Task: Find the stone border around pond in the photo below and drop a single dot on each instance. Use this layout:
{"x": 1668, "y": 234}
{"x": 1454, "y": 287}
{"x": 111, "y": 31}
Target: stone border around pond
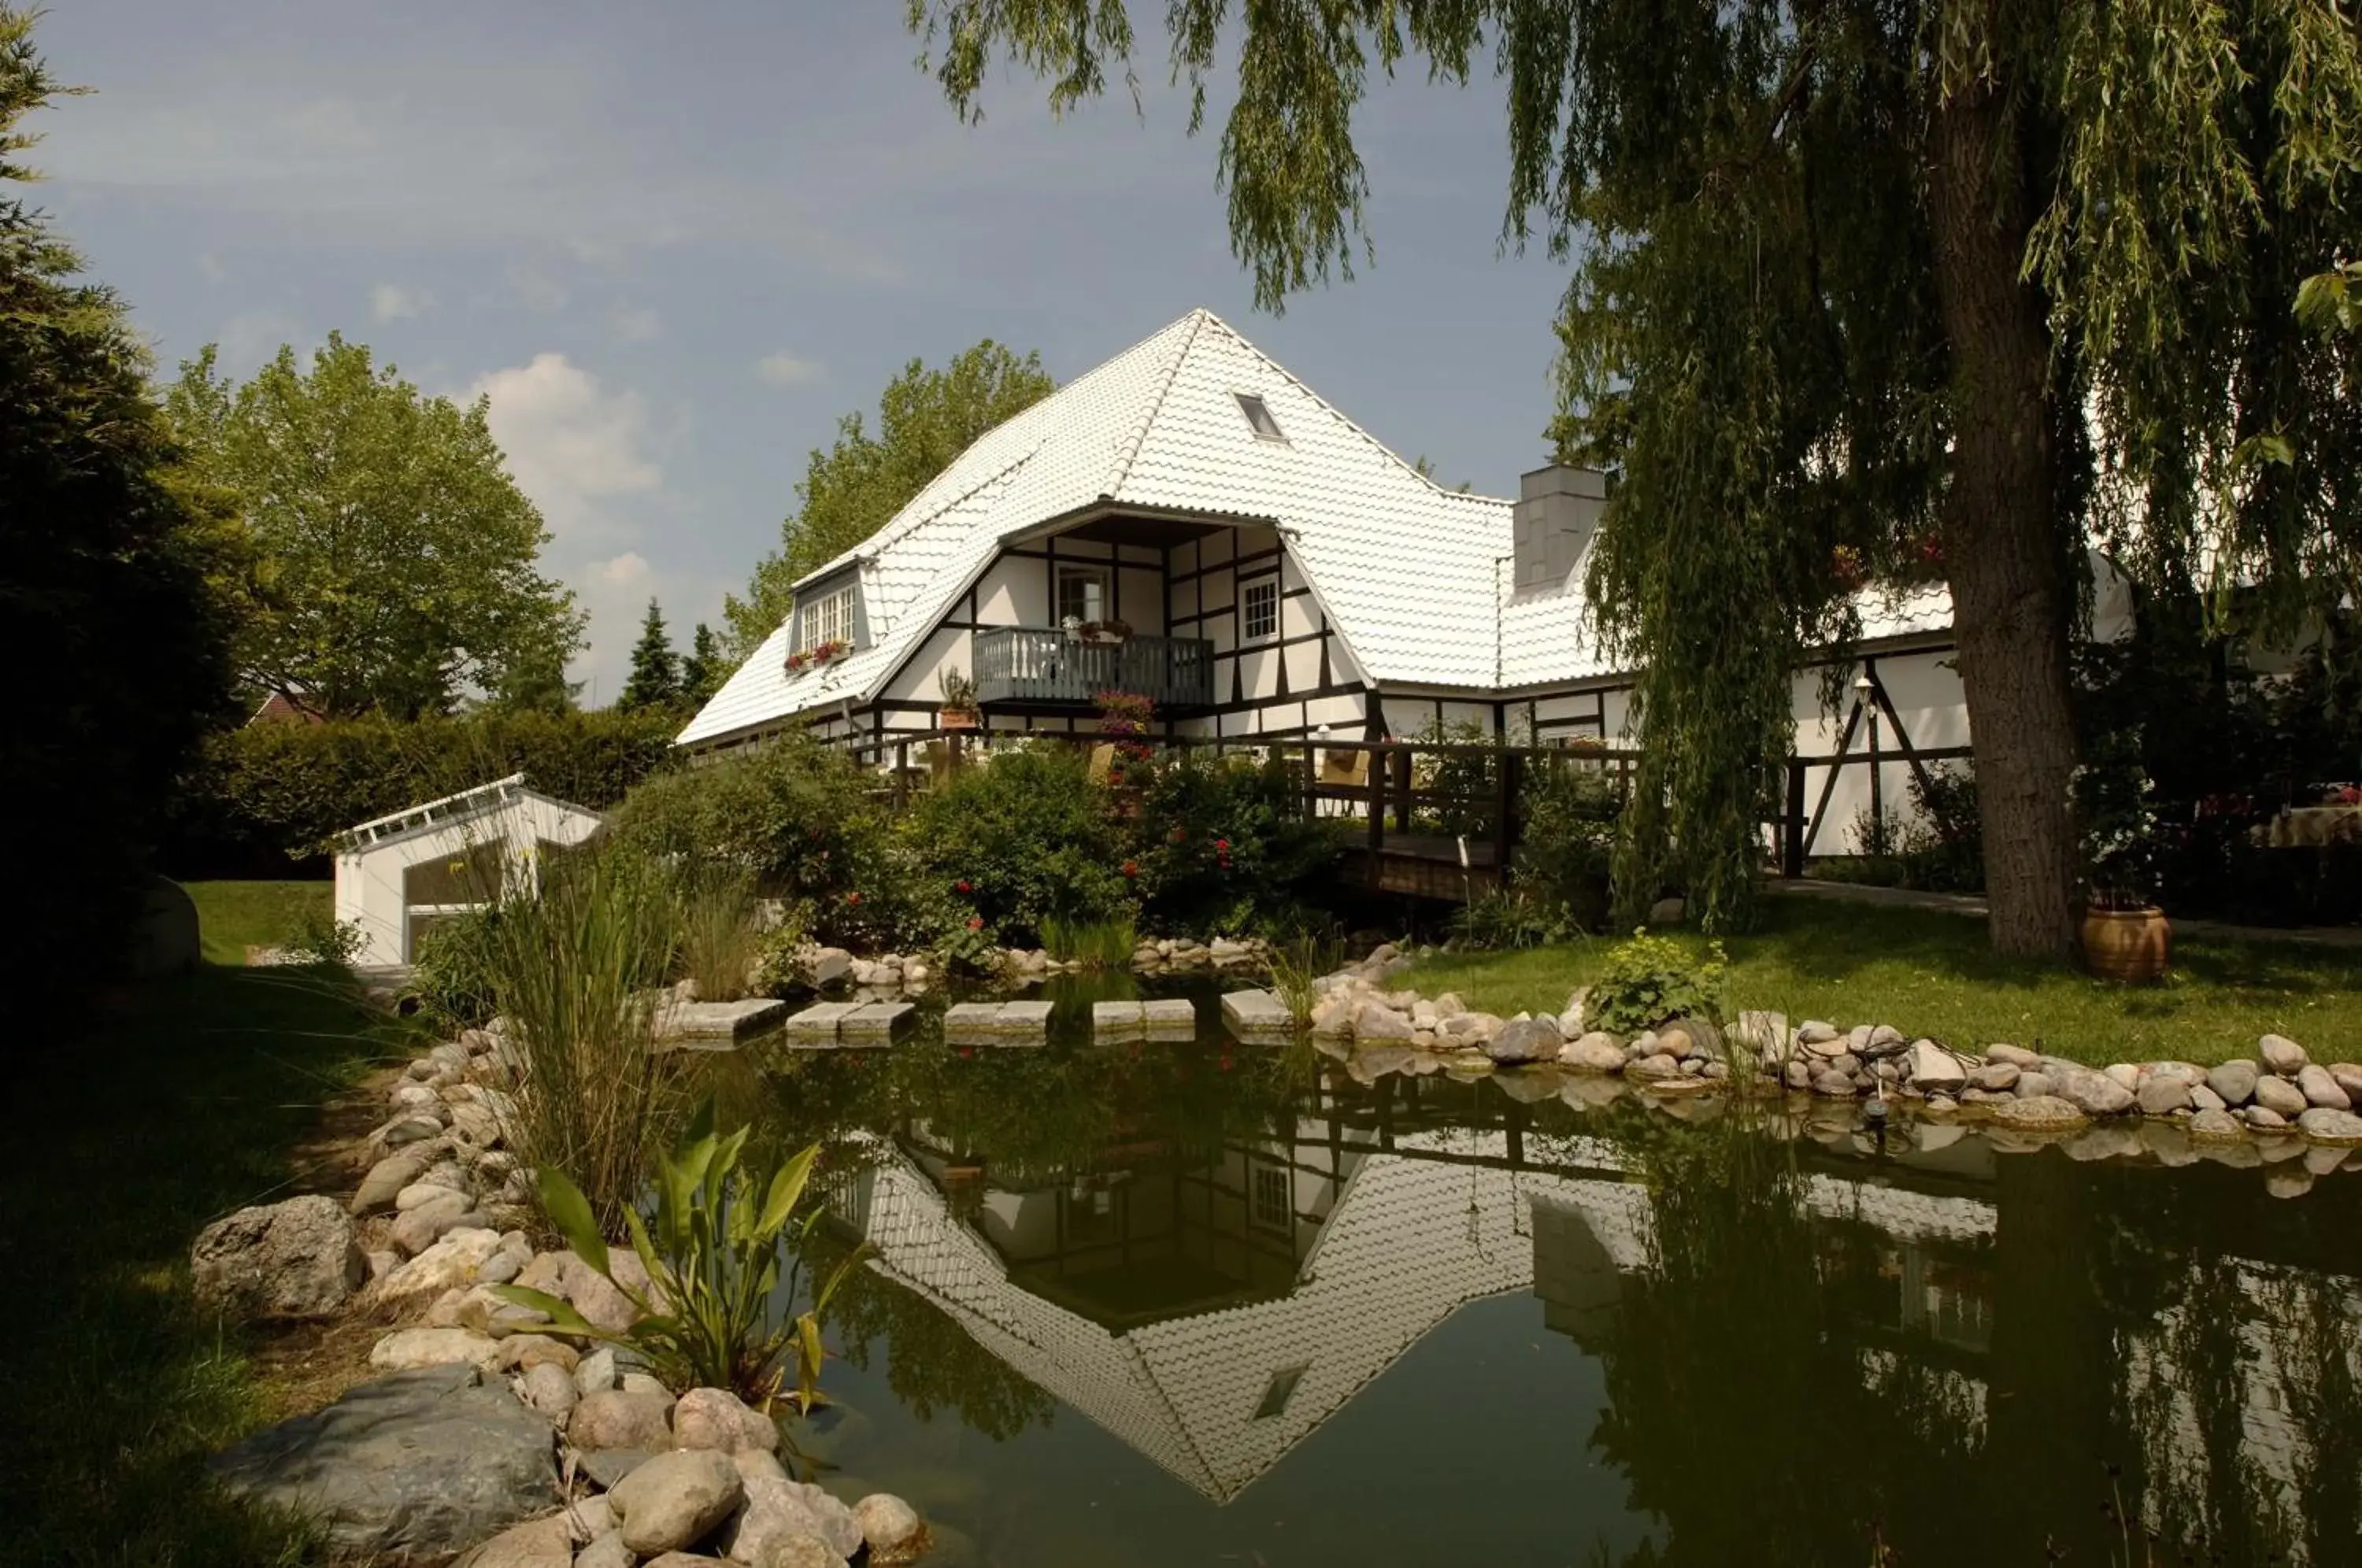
{"x": 2279, "y": 1104}
{"x": 488, "y": 1432}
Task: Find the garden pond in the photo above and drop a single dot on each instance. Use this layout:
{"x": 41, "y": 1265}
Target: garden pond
{"x": 1211, "y": 1302}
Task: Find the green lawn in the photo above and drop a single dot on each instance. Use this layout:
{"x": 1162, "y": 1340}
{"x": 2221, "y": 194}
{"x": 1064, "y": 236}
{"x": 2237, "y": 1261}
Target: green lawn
{"x": 1932, "y": 974}
{"x": 163, "y": 1112}
{"x": 233, "y": 916}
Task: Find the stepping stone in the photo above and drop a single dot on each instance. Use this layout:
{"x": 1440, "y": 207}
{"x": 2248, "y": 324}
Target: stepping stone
{"x": 1116, "y": 1018}
{"x": 717, "y": 1025}
{"x": 873, "y": 1022}
{"x": 818, "y": 1021}
{"x": 972, "y": 1023}
{"x": 1256, "y": 1012}
{"x": 1172, "y": 1018}
{"x": 1024, "y": 1018}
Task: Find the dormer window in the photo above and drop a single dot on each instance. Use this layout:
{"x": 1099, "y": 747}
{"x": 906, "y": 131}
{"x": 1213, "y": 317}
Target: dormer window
{"x": 825, "y": 618}
{"x": 1259, "y": 417}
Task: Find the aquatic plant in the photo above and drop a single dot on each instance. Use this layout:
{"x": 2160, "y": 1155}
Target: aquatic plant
{"x": 719, "y": 944}
{"x": 1101, "y": 944}
{"x": 710, "y": 1256}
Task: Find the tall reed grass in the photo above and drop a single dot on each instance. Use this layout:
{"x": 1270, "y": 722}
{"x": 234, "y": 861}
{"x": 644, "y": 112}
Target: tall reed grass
{"x": 1095, "y": 943}
{"x": 1297, "y": 965}
{"x": 576, "y": 967}
{"x": 719, "y": 944}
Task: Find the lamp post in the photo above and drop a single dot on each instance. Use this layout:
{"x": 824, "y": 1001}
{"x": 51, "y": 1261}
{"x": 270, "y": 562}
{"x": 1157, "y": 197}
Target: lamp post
{"x": 1864, "y": 689}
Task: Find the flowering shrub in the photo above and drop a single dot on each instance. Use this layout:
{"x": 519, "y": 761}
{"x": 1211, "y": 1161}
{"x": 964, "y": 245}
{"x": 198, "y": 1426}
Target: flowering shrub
{"x": 1221, "y": 848}
{"x": 1025, "y": 839}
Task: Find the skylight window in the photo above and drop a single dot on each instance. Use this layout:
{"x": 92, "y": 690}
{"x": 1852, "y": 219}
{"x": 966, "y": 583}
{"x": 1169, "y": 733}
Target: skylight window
{"x": 1265, "y": 428}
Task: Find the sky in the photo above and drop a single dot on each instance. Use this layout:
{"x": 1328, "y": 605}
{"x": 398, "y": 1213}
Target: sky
{"x": 674, "y": 243}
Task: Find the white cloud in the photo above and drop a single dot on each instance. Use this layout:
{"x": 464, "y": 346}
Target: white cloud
{"x": 634, "y": 324}
{"x": 392, "y": 302}
{"x": 785, "y": 369}
{"x": 571, "y": 444}
{"x": 250, "y": 338}
{"x": 626, "y": 571}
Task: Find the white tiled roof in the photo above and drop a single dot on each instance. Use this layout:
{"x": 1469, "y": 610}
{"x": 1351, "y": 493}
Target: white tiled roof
{"x": 1411, "y": 574}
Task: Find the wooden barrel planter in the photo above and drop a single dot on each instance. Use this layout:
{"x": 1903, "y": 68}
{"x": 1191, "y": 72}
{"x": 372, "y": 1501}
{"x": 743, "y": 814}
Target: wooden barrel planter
{"x": 2129, "y": 946}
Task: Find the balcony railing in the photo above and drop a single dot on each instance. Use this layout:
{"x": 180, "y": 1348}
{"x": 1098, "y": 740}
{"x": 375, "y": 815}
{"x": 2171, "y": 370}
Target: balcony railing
{"x": 1033, "y": 664}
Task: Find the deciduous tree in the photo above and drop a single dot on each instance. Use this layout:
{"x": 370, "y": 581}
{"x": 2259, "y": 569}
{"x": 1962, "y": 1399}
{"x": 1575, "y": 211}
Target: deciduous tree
{"x": 926, "y": 418}
{"x": 397, "y": 558}
{"x": 1954, "y": 286}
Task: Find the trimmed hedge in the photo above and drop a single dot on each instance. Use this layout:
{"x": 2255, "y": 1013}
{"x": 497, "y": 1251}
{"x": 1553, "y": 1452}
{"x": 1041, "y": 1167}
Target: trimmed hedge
{"x": 267, "y": 794}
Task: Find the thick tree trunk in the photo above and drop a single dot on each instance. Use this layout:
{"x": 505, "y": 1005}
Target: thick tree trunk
{"x": 2010, "y": 603}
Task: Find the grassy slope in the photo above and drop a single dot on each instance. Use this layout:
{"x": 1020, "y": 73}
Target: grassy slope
{"x": 235, "y": 916}
{"x": 1932, "y": 974}
{"x": 189, "y": 1100}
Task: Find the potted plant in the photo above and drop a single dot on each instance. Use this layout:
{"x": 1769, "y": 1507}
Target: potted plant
{"x": 959, "y": 709}
{"x": 818, "y": 655}
{"x": 2127, "y": 936}
{"x": 1105, "y": 632}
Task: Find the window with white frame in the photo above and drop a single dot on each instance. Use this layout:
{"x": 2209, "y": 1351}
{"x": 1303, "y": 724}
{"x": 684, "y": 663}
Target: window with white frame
{"x": 1259, "y": 608}
{"x": 825, "y": 618}
{"x": 1082, "y": 593}
{"x": 1269, "y": 1194}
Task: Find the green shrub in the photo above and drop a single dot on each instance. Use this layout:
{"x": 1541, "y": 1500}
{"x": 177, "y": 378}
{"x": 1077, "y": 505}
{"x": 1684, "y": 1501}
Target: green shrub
{"x": 1221, "y": 848}
{"x": 1023, "y": 839}
{"x": 1566, "y": 845}
{"x": 266, "y": 794}
{"x": 1649, "y": 979}
{"x": 453, "y": 977}
{"x": 1506, "y": 918}
{"x": 710, "y": 1309}
{"x": 319, "y": 938}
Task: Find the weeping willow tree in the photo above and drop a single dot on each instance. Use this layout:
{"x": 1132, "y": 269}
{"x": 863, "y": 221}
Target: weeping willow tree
{"x": 1958, "y": 288}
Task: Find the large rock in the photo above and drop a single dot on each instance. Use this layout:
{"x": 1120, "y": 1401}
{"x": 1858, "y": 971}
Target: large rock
{"x": 892, "y": 1528}
{"x": 2327, "y": 1125}
{"x": 2094, "y": 1094}
{"x": 416, "y": 1230}
{"x": 386, "y": 1179}
{"x": 542, "y": 1543}
{"x": 1375, "y": 1022}
{"x": 607, "y": 1550}
{"x": 2161, "y": 1094}
{"x": 549, "y": 1389}
{"x": 794, "y": 1551}
{"x": 452, "y": 1264}
{"x": 2040, "y": 1113}
{"x": 407, "y": 1349}
{"x": 675, "y": 1499}
{"x": 1596, "y": 1052}
{"x": 2320, "y": 1089}
{"x": 1524, "y": 1040}
{"x": 280, "y": 1262}
{"x": 826, "y": 967}
{"x": 2282, "y": 1054}
{"x": 2235, "y": 1081}
{"x": 714, "y": 1417}
{"x": 1929, "y": 1065}
{"x": 419, "y": 1464}
{"x": 2217, "y": 1126}
{"x": 2280, "y": 1097}
{"x": 781, "y": 1510}
{"x": 1994, "y": 1077}
{"x": 621, "y": 1418}
{"x": 2347, "y": 1075}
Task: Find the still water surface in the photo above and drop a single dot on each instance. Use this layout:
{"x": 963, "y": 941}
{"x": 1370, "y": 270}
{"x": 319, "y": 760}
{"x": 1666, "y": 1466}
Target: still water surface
{"x": 1207, "y": 1303}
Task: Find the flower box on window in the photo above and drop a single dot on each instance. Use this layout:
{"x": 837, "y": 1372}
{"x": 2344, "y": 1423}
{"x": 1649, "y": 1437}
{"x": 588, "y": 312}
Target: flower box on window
{"x": 1103, "y": 633}
{"x": 819, "y": 653}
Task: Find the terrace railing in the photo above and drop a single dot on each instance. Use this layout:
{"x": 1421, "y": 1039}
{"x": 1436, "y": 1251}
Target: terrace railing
{"x": 1035, "y": 664}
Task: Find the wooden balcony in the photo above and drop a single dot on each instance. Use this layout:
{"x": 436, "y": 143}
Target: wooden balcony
{"x": 1045, "y": 665}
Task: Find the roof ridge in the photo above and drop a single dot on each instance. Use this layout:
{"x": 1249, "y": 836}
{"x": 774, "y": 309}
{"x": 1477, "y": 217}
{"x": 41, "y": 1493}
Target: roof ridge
{"x": 1196, "y": 319}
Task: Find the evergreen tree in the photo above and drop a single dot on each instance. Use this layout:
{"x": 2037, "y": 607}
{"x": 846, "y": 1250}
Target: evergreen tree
{"x": 655, "y": 668}
{"x": 705, "y": 668}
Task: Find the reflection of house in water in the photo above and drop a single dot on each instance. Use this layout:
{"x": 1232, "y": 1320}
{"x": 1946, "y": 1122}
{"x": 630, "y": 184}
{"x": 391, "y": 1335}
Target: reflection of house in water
{"x": 1212, "y": 1318}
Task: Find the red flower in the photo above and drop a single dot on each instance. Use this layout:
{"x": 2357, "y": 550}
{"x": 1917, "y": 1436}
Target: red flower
{"x": 968, "y": 1051}
{"x": 1178, "y": 834}
{"x": 853, "y": 897}
{"x": 975, "y": 923}
{"x": 965, "y": 886}
{"x": 1131, "y": 867}
{"x": 1221, "y": 843}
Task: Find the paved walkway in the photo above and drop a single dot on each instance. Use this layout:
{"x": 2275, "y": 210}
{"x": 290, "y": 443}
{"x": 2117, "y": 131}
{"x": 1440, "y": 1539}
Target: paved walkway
{"x": 2342, "y": 936}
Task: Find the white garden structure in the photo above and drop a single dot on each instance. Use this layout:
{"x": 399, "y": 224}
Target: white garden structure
{"x": 397, "y": 875}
